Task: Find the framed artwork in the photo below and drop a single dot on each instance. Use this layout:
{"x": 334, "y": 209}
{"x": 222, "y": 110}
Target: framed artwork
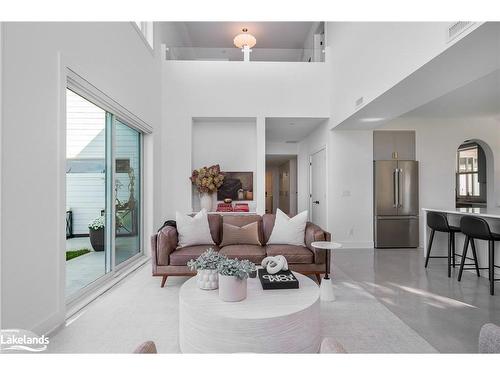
{"x": 237, "y": 185}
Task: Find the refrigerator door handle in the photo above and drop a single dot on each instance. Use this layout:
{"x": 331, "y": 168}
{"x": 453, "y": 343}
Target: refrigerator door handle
{"x": 395, "y": 188}
{"x": 400, "y": 188}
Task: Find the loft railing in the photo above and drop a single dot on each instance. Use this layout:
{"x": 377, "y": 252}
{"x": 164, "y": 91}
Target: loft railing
{"x": 235, "y": 54}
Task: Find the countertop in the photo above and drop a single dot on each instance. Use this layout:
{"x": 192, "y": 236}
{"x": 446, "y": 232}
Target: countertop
{"x": 493, "y": 212}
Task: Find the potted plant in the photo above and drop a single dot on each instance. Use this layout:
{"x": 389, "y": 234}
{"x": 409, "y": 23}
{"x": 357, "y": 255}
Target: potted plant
{"x": 233, "y": 274}
{"x": 96, "y": 233}
{"x": 207, "y": 180}
{"x": 206, "y": 269}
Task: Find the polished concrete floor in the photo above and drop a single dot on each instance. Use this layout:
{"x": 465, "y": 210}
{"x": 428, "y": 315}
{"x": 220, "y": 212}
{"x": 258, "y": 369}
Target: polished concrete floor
{"x": 446, "y": 313}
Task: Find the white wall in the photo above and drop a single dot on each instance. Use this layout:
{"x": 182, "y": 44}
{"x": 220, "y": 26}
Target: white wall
{"x": 351, "y": 187}
{"x": 1, "y": 163}
{"x": 368, "y": 58}
{"x": 230, "y": 143}
{"x": 231, "y": 89}
{"x": 112, "y": 57}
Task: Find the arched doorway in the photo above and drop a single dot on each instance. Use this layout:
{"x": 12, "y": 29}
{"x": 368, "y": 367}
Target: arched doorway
{"x": 473, "y": 177}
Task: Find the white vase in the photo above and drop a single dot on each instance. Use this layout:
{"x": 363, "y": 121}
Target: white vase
{"x": 207, "y": 279}
{"x": 206, "y": 201}
{"x": 232, "y": 289}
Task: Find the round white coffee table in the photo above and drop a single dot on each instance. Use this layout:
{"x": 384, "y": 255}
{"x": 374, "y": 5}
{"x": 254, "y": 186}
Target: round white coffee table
{"x": 267, "y": 321}
{"x": 326, "y": 284}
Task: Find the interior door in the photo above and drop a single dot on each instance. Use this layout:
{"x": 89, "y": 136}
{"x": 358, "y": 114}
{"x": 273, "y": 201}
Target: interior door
{"x": 269, "y": 192}
{"x": 385, "y": 188}
{"x": 318, "y": 188}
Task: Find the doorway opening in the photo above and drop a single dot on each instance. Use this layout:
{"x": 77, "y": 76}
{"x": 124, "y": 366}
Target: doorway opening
{"x": 281, "y": 184}
{"x": 473, "y": 174}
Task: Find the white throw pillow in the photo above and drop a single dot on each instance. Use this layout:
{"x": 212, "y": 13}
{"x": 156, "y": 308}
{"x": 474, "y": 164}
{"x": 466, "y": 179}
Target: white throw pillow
{"x": 193, "y": 230}
{"x": 288, "y": 231}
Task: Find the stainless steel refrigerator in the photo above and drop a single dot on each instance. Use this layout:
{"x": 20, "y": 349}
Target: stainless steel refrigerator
{"x": 395, "y": 203}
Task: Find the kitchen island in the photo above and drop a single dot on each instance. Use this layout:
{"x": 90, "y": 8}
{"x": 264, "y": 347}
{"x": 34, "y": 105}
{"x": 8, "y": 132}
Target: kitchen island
{"x": 491, "y": 215}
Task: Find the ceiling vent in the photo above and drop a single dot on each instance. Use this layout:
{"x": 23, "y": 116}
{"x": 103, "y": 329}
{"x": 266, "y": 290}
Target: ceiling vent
{"x": 291, "y": 141}
{"x": 457, "y": 28}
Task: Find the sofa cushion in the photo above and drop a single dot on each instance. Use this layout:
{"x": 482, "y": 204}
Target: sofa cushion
{"x": 193, "y": 230}
{"x": 242, "y": 220}
{"x": 267, "y": 226}
{"x": 292, "y": 253}
{"x": 182, "y": 255}
{"x": 236, "y": 235}
{"x": 215, "y": 224}
{"x": 253, "y": 253}
{"x": 288, "y": 230}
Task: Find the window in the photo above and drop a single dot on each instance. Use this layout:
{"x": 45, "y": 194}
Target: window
{"x": 471, "y": 173}
{"x": 146, "y": 29}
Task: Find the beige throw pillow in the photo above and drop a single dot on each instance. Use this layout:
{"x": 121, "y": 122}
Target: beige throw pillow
{"x": 245, "y": 235}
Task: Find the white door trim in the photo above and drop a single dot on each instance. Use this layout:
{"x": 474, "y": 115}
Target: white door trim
{"x": 325, "y": 148}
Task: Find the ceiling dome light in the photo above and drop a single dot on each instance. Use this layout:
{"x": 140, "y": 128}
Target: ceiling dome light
{"x": 244, "y": 39}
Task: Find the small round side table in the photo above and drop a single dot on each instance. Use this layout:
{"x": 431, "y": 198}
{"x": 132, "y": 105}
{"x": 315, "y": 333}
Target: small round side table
{"x": 326, "y": 289}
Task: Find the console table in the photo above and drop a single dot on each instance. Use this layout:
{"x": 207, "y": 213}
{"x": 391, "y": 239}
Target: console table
{"x": 267, "y": 321}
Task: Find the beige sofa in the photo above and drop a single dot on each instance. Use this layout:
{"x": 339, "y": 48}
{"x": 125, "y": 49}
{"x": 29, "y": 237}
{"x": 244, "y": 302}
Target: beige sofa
{"x": 170, "y": 260}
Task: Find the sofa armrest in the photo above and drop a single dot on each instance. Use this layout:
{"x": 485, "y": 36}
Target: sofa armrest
{"x": 315, "y": 233}
{"x": 163, "y": 244}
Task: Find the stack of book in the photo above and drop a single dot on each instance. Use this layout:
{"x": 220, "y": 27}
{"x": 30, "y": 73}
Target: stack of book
{"x": 241, "y": 207}
{"x": 224, "y": 207}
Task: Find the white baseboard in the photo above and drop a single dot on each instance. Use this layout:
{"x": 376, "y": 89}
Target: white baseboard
{"x": 50, "y": 325}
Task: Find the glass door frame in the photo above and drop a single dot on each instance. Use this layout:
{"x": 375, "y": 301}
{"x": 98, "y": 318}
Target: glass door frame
{"x": 114, "y": 112}
{"x": 140, "y": 228}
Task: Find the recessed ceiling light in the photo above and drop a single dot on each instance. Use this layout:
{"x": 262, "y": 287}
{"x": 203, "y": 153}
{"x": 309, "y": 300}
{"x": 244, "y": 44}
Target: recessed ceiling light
{"x": 372, "y": 119}
{"x": 292, "y": 123}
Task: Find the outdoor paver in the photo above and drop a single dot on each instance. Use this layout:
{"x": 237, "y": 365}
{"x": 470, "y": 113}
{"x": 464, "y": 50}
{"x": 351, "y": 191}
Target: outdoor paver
{"x": 83, "y": 270}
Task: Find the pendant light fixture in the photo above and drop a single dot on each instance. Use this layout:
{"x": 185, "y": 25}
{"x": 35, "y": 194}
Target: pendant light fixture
{"x": 245, "y": 41}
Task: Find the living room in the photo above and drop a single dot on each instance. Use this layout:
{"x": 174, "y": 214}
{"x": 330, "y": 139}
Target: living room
{"x": 220, "y": 186}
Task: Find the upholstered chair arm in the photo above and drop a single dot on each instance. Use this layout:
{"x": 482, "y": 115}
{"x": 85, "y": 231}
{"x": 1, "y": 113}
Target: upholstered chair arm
{"x": 315, "y": 233}
{"x": 489, "y": 339}
{"x": 163, "y": 244}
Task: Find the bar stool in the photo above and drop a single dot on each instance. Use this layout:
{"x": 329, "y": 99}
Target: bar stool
{"x": 478, "y": 228}
{"x": 438, "y": 221}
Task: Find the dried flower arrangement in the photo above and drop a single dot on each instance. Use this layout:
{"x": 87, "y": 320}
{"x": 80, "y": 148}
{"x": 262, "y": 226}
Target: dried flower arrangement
{"x": 207, "y": 179}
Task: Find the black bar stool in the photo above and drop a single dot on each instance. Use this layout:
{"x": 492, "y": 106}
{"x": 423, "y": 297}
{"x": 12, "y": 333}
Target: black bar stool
{"x": 478, "y": 228}
{"x": 438, "y": 221}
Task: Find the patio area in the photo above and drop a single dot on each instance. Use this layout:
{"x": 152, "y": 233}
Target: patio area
{"x": 83, "y": 270}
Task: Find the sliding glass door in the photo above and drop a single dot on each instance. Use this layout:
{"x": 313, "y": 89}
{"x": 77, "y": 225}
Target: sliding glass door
{"x": 87, "y": 251}
{"x": 103, "y": 193}
{"x": 127, "y": 192}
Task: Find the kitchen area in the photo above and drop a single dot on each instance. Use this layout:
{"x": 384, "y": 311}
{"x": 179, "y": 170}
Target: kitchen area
{"x": 443, "y": 158}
